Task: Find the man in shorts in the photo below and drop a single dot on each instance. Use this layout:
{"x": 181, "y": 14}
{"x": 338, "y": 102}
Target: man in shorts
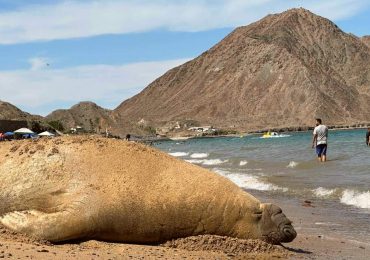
{"x": 320, "y": 140}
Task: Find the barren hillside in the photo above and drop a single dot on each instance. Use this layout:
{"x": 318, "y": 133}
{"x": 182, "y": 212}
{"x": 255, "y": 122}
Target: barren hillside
{"x": 283, "y": 70}
{"x": 85, "y": 114}
{"x": 11, "y": 112}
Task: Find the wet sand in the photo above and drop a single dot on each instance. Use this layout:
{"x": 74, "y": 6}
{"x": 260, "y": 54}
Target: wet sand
{"x": 317, "y": 239}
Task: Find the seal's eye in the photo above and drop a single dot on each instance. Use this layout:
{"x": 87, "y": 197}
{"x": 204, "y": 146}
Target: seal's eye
{"x": 258, "y": 214}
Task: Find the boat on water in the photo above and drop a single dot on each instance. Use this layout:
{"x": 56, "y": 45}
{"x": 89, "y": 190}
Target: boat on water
{"x": 273, "y": 135}
{"x": 269, "y": 134}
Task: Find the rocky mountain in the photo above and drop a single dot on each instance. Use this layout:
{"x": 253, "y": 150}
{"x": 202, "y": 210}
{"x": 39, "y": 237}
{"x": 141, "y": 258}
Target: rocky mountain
{"x": 87, "y": 115}
{"x": 366, "y": 40}
{"x": 283, "y": 70}
{"x": 11, "y": 112}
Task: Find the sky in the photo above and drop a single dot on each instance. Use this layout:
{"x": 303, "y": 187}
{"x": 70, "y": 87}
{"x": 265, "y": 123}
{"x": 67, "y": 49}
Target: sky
{"x": 56, "y": 53}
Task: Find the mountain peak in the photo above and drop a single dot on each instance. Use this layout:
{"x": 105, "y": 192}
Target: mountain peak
{"x": 85, "y": 104}
{"x": 86, "y": 114}
{"x": 283, "y": 70}
{"x": 293, "y": 21}
{"x": 299, "y": 12}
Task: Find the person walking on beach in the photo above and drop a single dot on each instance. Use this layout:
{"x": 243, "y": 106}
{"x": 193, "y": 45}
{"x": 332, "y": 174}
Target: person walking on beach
{"x": 368, "y": 137}
{"x": 320, "y": 140}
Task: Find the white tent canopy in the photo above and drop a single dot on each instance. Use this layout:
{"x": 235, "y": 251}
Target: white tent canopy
{"x": 46, "y": 133}
{"x": 23, "y": 131}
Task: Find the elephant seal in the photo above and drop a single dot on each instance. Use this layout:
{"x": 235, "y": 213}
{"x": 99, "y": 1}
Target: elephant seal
{"x": 94, "y": 188}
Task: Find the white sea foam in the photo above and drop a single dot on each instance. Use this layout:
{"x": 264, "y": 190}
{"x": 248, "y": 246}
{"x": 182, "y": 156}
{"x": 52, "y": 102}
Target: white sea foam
{"x": 322, "y": 192}
{"x": 213, "y": 161}
{"x": 199, "y": 155}
{"x": 275, "y": 136}
{"x": 292, "y": 164}
{"x": 243, "y": 163}
{"x": 196, "y": 161}
{"x": 179, "y": 154}
{"x": 248, "y": 181}
{"x": 327, "y": 224}
{"x": 355, "y": 198}
{"x": 208, "y": 162}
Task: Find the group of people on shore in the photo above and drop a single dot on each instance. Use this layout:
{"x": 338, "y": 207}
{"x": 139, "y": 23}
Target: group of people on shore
{"x": 320, "y": 139}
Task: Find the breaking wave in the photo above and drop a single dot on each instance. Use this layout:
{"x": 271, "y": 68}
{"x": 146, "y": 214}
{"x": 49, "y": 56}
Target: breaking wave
{"x": 355, "y": 198}
{"x": 207, "y": 161}
{"x": 179, "y": 154}
{"x": 197, "y": 161}
{"x": 243, "y": 163}
{"x": 292, "y": 164}
{"x": 214, "y": 162}
{"x": 322, "y": 192}
{"x": 199, "y": 155}
{"x": 248, "y": 182}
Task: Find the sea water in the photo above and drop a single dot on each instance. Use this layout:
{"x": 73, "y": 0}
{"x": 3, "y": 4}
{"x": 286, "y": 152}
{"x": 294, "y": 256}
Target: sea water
{"x": 287, "y": 168}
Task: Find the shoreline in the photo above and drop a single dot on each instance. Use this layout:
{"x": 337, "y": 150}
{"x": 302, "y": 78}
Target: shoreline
{"x": 241, "y": 135}
{"x": 316, "y": 241}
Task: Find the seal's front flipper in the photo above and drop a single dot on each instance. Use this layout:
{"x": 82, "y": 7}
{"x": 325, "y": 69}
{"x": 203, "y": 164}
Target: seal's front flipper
{"x": 54, "y": 227}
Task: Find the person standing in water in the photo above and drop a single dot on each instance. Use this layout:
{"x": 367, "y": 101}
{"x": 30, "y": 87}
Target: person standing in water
{"x": 368, "y": 137}
{"x": 320, "y": 140}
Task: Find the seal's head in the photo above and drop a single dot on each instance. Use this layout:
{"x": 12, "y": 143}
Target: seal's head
{"x": 275, "y": 227}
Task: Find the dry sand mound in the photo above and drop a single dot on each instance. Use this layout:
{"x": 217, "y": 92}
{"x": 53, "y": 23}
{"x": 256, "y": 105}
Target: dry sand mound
{"x": 227, "y": 245}
{"x": 9, "y": 235}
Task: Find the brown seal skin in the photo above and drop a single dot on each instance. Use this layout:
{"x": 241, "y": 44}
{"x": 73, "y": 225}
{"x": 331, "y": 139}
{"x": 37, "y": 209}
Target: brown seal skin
{"x": 92, "y": 188}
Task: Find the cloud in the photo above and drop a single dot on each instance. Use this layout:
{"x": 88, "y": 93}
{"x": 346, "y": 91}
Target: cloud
{"x": 37, "y": 90}
{"x": 38, "y": 63}
{"x": 74, "y": 19}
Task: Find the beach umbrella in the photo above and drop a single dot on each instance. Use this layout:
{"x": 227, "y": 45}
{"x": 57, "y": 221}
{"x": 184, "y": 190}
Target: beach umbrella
{"x": 9, "y": 134}
{"x": 46, "y": 133}
{"x": 23, "y": 131}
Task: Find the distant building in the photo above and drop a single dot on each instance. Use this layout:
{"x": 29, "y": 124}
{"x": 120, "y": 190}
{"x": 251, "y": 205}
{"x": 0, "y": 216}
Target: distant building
{"x": 202, "y": 129}
{"x": 12, "y": 125}
{"x": 77, "y": 129}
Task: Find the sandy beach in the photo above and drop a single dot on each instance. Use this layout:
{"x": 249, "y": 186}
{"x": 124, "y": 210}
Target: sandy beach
{"x": 316, "y": 238}
{"x": 307, "y": 245}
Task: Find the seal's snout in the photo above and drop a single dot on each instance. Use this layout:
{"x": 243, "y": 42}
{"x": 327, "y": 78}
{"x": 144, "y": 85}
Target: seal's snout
{"x": 277, "y": 228}
{"x": 288, "y": 233}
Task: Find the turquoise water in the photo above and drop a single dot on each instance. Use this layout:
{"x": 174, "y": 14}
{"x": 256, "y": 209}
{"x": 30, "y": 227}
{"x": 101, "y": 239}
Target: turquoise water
{"x": 286, "y": 168}
{"x": 287, "y": 165}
